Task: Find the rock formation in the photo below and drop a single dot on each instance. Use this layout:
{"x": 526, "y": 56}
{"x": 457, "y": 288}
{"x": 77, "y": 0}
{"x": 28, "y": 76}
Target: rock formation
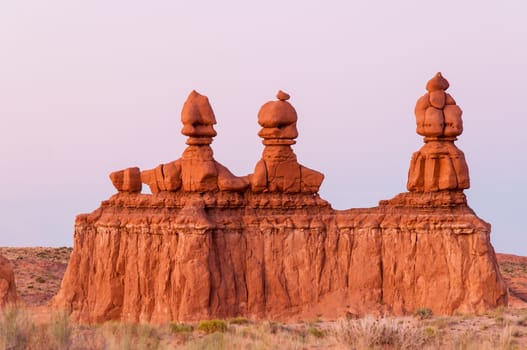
{"x": 196, "y": 170}
{"x": 279, "y": 170}
{"x": 7, "y": 282}
{"x": 439, "y": 164}
{"x": 208, "y": 244}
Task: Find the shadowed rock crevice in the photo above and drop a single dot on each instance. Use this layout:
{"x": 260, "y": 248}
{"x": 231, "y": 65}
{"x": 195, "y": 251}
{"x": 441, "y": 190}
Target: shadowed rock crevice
{"x": 207, "y": 243}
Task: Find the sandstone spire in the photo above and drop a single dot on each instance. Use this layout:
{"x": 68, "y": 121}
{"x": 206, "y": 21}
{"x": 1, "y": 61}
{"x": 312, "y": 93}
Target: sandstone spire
{"x": 439, "y": 164}
{"x": 196, "y": 170}
{"x": 279, "y": 170}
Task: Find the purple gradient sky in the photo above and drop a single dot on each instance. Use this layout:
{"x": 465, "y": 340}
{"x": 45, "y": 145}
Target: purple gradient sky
{"x": 88, "y": 87}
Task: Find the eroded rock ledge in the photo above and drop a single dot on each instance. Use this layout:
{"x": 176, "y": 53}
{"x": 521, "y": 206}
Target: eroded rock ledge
{"x": 208, "y": 244}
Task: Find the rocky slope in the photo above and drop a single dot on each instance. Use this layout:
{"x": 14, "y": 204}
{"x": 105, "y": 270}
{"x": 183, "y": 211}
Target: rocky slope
{"x": 38, "y": 271}
{"x": 514, "y": 271}
{"x": 7, "y": 282}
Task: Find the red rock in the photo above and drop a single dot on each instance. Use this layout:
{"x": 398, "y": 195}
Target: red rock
{"x": 285, "y": 132}
{"x": 282, "y": 96}
{"x": 127, "y": 180}
{"x": 204, "y": 245}
{"x": 453, "y": 121}
{"x": 172, "y": 175}
{"x": 439, "y": 164}
{"x": 7, "y": 283}
{"x": 229, "y": 182}
{"x": 198, "y": 117}
{"x": 434, "y": 122}
{"x": 420, "y": 108}
{"x": 449, "y": 100}
{"x": 276, "y": 114}
{"x": 277, "y": 256}
{"x": 279, "y": 170}
{"x": 196, "y": 170}
{"x": 437, "y": 99}
{"x": 437, "y": 83}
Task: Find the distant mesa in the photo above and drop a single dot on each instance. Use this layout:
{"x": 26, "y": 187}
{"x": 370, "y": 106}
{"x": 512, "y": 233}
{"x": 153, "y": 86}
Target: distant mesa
{"x": 207, "y": 243}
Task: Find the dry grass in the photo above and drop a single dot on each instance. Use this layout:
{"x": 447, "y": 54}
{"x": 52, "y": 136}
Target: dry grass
{"x": 382, "y": 333}
{"x": 19, "y": 331}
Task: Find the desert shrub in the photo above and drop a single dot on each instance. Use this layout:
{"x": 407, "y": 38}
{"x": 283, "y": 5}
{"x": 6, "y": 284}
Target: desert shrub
{"x": 385, "y": 333}
{"x": 430, "y": 332}
{"x": 181, "y": 327}
{"x": 423, "y": 313}
{"x": 239, "y": 320}
{"x": 42, "y": 254}
{"x": 522, "y": 321}
{"x": 258, "y": 336}
{"x": 316, "y": 332}
{"x": 124, "y": 336}
{"x": 211, "y": 326}
{"x": 60, "y": 330}
{"x": 215, "y": 341}
{"x": 16, "y": 328}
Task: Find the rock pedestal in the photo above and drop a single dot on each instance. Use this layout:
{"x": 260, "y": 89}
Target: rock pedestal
{"x": 196, "y": 170}
{"x": 279, "y": 170}
{"x": 439, "y": 164}
{"x": 208, "y": 244}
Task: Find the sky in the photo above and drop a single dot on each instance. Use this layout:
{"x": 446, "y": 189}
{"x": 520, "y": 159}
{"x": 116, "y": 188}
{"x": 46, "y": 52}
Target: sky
{"x": 89, "y": 87}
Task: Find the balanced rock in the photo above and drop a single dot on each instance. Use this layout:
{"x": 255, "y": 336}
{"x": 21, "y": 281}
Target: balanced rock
{"x": 7, "y": 282}
{"x": 127, "y": 180}
{"x": 196, "y": 170}
{"x": 279, "y": 170}
{"x": 198, "y": 119}
{"x": 439, "y": 165}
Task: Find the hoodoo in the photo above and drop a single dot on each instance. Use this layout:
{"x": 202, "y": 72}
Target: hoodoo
{"x": 207, "y": 243}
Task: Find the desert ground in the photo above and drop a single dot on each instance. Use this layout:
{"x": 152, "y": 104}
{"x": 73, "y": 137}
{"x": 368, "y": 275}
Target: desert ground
{"x": 33, "y": 325}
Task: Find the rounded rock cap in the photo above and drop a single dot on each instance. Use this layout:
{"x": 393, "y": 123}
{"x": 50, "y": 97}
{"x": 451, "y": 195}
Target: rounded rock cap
{"x": 276, "y": 114}
{"x": 197, "y": 116}
{"x": 437, "y": 83}
{"x": 197, "y": 110}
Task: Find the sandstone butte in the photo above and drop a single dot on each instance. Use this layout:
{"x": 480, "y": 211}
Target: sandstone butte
{"x": 7, "y": 283}
{"x": 206, "y": 243}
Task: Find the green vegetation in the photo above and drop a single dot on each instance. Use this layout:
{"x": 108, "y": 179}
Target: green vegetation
{"x": 211, "y": 326}
{"x": 181, "y": 327}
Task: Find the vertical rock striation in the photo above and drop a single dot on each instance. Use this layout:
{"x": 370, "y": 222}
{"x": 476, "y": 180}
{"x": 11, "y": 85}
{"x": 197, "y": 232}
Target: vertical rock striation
{"x": 208, "y": 244}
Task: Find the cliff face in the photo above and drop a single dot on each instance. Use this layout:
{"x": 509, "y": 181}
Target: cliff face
{"x": 7, "y": 282}
{"x": 208, "y": 244}
{"x": 189, "y": 257}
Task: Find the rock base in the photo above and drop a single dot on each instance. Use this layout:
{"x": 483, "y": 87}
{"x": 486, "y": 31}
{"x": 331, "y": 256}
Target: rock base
{"x": 175, "y": 256}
